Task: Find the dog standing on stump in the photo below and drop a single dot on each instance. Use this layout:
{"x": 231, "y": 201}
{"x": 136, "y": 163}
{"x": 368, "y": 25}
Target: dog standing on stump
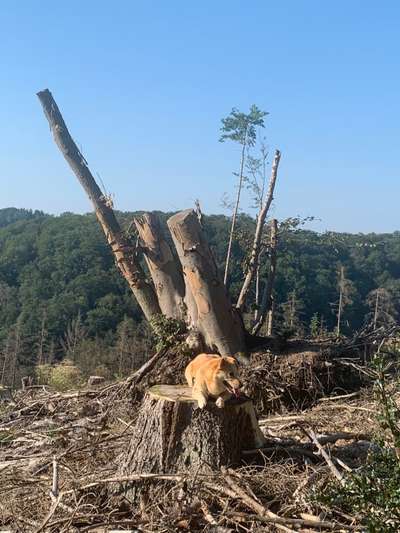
{"x": 213, "y": 376}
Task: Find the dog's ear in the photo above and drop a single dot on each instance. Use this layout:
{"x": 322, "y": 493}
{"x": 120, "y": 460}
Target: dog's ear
{"x": 228, "y": 361}
{"x": 224, "y": 361}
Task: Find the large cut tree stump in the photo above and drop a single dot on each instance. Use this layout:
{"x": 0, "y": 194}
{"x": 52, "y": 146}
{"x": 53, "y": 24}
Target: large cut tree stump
{"x": 173, "y": 435}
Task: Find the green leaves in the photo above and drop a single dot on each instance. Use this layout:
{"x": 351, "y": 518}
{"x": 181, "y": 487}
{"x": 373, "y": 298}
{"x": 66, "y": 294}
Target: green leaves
{"x": 168, "y": 331}
{"x": 241, "y": 127}
{"x": 372, "y": 493}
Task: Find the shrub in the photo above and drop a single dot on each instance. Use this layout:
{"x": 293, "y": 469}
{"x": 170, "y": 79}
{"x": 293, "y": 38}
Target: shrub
{"x": 61, "y": 377}
{"x": 43, "y": 374}
{"x": 65, "y": 376}
{"x": 372, "y": 493}
{"x": 168, "y": 331}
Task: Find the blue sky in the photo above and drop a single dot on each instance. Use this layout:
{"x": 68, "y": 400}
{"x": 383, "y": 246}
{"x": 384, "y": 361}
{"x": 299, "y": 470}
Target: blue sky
{"x": 143, "y": 86}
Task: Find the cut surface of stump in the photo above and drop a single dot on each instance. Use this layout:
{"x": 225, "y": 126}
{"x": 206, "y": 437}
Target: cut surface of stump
{"x": 172, "y": 434}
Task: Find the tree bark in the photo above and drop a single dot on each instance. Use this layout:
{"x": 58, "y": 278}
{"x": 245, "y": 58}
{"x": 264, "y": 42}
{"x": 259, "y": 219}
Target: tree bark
{"x": 255, "y": 252}
{"x": 267, "y": 298}
{"x": 216, "y": 320}
{"x": 340, "y": 308}
{"x": 270, "y": 317}
{"x": 173, "y": 435}
{"x": 164, "y": 268}
{"x": 122, "y": 249}
{"x": 376, "y": 308}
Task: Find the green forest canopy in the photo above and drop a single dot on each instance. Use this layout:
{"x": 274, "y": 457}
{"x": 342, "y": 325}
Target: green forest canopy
{"x": 61, "y": 294}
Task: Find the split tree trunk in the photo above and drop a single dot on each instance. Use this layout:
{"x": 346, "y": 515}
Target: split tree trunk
{"x": 173, "y": 435}
{"x": 122, "y": 249}
{"x": 216, "y": 320}
{"x": 267, "y": 302}
{"x": 164, "y": 268}
{"x": 255, "y": 252}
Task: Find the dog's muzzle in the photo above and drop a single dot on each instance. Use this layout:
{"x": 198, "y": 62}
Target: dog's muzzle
{"x": 231, "y": 388}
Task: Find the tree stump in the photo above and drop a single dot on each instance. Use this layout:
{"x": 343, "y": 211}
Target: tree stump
{"x": 173, "y": 435}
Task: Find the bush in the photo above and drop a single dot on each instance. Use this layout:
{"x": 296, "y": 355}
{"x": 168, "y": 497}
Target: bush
{"x": 372, "y": 493}
{"x": 61, "y": 377}
{"x": 168, "y": 331}
{"x": 65, "y": 376}
{"x": 43, "y": 374}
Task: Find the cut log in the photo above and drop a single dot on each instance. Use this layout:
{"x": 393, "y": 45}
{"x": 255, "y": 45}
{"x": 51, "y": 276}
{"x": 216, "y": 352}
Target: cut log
{"x": 164, "y": 268}
{"x": 122, "y": 249}
{"x": 173, "y": 435}
{"x": 216, "y": 320}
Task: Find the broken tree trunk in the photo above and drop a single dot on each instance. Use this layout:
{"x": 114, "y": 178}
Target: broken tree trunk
{"x": 255, "y": 252}
{"x": 216, "y": 320}
{"x": 173, "y": 435}
{"x": 270, "y": 317}
{"x": 164, "y": 268}
{"x": 122, "y": 249}
{"x": 267, "y": 303}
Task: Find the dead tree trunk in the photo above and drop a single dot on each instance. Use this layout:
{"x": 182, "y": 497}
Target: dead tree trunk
{"x": 255, "y": 252}
{"x": 164, "y": 268}
{"x": 235, "y": 212}
{"x": 122, "y": 249}
{"x": 216, "y": 320}
{"x": 340, "y": 307}
{"x": 270, "y": 317}
{"x": 173, "y": 435}
{"x": 376, "y": 308}
{"x": 267, "y": 304}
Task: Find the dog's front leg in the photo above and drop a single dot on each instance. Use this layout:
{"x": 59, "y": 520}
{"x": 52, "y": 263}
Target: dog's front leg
{"x": 201, "y": 398}
{"x": 220, "y": 401}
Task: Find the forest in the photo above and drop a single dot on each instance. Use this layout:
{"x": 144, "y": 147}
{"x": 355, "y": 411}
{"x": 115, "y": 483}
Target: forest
{"x": 62, "y": 297}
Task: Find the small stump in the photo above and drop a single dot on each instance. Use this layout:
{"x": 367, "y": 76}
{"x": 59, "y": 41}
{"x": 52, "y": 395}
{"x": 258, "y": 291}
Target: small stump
{"x": 173, "y": 435}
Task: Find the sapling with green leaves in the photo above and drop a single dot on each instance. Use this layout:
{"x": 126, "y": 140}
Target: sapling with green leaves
{"x": 240, "y": 128}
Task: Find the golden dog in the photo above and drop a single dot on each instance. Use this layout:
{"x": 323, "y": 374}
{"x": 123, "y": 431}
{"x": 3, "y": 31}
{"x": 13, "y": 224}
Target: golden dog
{"x": 213, "y": 376}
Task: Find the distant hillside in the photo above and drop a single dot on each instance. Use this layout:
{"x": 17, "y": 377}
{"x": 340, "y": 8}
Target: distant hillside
{"x": 58, "y": 279}
{"x": 9, "y": 215}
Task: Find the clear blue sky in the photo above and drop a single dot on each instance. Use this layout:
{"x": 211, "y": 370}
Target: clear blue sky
{"x": 143, "y": 86}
